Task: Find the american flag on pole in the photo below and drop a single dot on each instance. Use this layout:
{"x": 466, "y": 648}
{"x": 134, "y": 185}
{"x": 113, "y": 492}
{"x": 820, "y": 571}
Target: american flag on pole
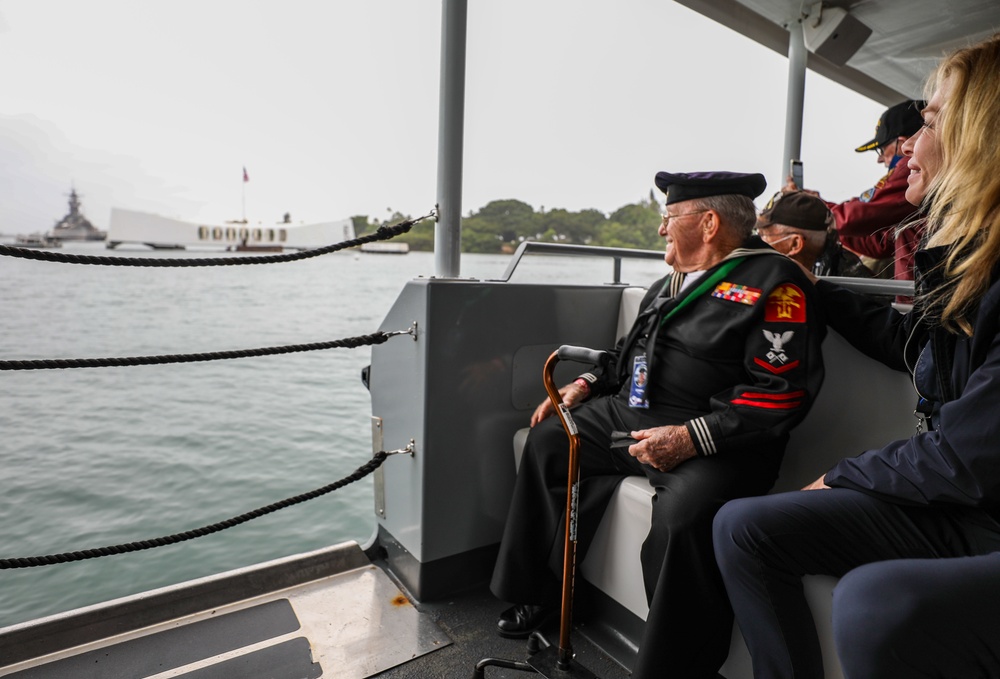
{"x": 246, "y": 177}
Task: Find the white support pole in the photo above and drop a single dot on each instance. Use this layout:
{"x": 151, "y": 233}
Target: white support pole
{"x": 797, "y": 58}
{"x": 451, "y": 126}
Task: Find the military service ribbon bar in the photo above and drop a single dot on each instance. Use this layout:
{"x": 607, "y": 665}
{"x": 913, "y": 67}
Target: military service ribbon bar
{"x": 733, "y": 292}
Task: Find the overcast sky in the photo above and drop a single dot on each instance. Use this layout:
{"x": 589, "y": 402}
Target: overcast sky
{"x": 332, "y": 107}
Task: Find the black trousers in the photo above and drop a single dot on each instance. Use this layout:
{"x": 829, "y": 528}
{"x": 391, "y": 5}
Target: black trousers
{"x": 883, "y": 612}
{"x": 690, "y": 621}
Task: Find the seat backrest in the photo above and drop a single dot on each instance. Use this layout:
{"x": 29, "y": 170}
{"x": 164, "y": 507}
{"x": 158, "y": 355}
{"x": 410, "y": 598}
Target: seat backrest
{"x": 861, "y": 405}
{"x": 629, "y": 309}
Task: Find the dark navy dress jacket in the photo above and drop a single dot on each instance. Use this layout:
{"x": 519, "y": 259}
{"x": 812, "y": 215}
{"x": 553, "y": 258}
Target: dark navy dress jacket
{"x": 958, "y": 460}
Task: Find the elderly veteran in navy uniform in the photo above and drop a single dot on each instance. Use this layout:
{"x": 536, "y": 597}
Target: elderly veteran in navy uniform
{"x": 729, "y": 344}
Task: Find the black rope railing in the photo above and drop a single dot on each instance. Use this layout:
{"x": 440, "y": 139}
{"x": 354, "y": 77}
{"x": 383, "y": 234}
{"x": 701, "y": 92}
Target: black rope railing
{"x": 81, "y": 555}
{"x": 382, "y": 233}
{"x": 128, "y": 361}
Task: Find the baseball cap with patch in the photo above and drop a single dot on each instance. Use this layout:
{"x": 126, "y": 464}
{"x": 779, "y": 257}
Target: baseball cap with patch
{"x": 901, "y": 120}
{"x": 799, "y": 209}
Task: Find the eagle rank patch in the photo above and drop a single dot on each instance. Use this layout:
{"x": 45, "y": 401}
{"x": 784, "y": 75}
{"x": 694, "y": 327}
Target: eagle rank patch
{"x": 733, "y": 292}
{"x": 777, "y": 360}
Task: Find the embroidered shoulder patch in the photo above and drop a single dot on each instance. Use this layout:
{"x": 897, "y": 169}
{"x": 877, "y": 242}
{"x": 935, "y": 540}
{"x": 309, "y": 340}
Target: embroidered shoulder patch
{"x": 867, "y": 196}
{"x": 733, "y": 292}
{"x": 786, "y": 304}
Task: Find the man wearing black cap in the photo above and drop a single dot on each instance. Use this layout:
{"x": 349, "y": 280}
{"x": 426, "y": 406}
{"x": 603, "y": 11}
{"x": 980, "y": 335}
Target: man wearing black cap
{"x": 867, "y": 224}
{"x": 800, "y": 225}
{"x": 722, "y": 361}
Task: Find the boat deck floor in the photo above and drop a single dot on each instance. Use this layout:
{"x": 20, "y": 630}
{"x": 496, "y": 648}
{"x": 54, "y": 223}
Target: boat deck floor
{"x": 331, "y": 613}
{"x": 469, "y": 620}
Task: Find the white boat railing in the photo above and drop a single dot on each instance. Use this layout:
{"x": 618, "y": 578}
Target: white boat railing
{"x": 615, "y": 254}
{"x": 868, "y": 286}
{"x": 874, "y": 286}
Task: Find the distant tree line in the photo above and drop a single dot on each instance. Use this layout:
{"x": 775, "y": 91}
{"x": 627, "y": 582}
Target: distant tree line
{"x": 501, "y": 225}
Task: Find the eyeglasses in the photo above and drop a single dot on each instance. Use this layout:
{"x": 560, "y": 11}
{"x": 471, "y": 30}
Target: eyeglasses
{"x": 884, "y": 150}
{"x": 667, "y": 218}
{"x": 774, "y": 237}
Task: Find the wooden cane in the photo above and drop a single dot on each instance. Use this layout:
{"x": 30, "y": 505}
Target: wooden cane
{"x": 583, "y": 355}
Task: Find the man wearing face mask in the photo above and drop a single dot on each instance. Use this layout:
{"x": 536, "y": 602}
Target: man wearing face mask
{"x": 800, "y": 226}
{"x": 868, "y": 223}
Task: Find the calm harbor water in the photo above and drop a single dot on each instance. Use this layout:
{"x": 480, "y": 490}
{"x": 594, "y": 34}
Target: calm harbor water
{"x": 97, "y": 457}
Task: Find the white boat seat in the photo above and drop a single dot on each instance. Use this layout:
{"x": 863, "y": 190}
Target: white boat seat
{"x": 879, "y": 403}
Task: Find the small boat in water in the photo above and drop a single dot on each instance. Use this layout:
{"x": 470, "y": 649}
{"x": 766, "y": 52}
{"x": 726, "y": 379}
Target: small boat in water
{"x": 386, "y": 248}
{"x": 36, "y": 240}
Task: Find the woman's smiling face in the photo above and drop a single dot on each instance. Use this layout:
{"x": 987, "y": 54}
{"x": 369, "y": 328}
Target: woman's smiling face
{"x": 924, "y": 148}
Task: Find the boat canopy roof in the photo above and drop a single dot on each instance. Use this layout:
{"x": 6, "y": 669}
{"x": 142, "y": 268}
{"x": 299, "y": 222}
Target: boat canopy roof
{"x": 881, "y": 49}
{"x": 908, "y": 37}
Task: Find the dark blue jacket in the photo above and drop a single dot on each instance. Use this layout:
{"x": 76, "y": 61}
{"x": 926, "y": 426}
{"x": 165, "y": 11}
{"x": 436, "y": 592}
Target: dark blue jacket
{"x": 958, "y": 461}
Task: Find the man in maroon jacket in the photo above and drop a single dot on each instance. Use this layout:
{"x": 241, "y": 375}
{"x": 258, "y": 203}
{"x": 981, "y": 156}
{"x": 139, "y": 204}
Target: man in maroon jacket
{"x": 868, "y": 224}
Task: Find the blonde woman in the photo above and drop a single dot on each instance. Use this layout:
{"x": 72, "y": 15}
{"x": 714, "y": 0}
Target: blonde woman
{"x": 913, "y": 527}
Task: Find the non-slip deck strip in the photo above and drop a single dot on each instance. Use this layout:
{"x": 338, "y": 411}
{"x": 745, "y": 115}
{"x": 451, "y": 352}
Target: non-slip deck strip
{"x": 172, "y": 648}
{"x": 290, "y": 659}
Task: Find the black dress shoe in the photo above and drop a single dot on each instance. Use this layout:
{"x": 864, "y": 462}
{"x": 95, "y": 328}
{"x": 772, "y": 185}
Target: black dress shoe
{"x": 519, "y": 621}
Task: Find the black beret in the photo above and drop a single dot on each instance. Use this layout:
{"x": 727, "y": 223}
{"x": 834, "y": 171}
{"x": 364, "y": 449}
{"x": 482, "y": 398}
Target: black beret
{"x": 686, "y": 186}
{"x": 799, "y": 209}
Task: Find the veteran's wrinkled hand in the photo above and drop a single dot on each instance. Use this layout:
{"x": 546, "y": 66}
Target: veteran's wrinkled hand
{"x": 572, "y": 394}
{"x": 662, "y": 447}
